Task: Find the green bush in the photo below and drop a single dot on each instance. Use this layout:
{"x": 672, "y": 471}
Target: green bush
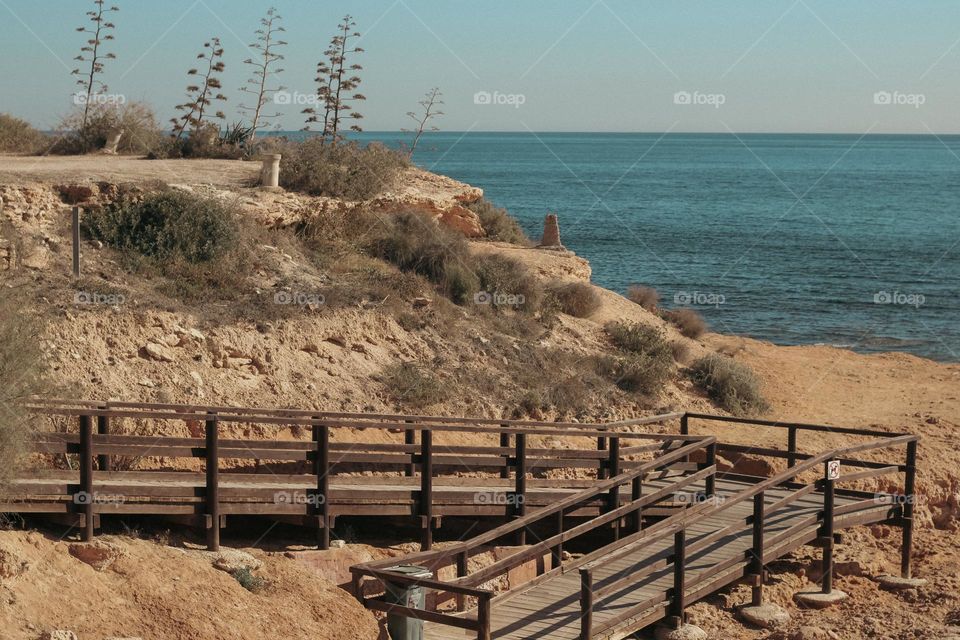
{"x": 577, "y": 299}
{"x": 731, "y": 384}
{"x": 205, "y": 142}
{"x": 170, "y": 225}
{"x": 344, "y": 170}
{"x": 646, "y": 363}
{"x": 690, "y": 323}
{"x": 141, "y": 132}
{"x": 413, "y": 385}
{"x": 498, "y": 224}
{"x": 416, "y": 243}
{"x": 18, "y": 136}
{"x": 504, "y": 278}
{"x": 21, "y": 376}
{"x": 646, "y": 297}
{"x": 249, "y": 581}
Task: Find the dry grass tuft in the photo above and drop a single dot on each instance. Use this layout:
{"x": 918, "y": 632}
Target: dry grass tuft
{"x": 731, "y": 384}
{"x": 690, "y": 323}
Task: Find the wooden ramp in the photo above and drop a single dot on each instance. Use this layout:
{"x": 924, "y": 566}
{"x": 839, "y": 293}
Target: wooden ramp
{"x": 682, "y": 531}
{"x": 552, "y": 608}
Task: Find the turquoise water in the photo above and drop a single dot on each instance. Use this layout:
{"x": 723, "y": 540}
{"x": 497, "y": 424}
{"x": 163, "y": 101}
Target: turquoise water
{"x": 797, "y": 239}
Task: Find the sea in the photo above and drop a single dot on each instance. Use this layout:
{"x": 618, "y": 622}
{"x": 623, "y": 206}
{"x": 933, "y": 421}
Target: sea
{"x": 842, "y": 240}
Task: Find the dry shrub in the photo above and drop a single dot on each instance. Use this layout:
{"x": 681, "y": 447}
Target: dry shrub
{"x": 206, "y": 142}
{"x": 21, "y": 376}
{"x": 731, "y": 384}
{"x": 416, "y": 243}
{"x": 345, "y": 170}
{"x": 141, "y": 132}
{"x": 498, "y": 224}
{"x": 413, "y": 384}
{"x": 506, "y": 281}
{"x": 681, "y": 351}
{"x": 646, "y": 363}
{"x": 690, "y": 323}
{"x": 577, "y": 299}
{"x": 646, "y": 297}
{"x": 19, "y": 136}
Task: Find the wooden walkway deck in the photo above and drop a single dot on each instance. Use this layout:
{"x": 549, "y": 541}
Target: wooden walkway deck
{"x": 551, "y": 608}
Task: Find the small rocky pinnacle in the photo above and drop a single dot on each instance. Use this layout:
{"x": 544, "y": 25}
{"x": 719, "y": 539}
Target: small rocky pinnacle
{"x": 551, "y": 233}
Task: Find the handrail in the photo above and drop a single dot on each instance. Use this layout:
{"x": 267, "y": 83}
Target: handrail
{"x": 545, "y": 512}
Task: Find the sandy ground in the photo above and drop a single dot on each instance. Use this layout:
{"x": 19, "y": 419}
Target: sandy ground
{"x": 119, "y": 169}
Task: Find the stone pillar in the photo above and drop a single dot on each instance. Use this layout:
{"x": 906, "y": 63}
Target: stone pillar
{"x": 551, "y": 232}
{"x": 113, "y": 141}
{"x": 270, "y": 173}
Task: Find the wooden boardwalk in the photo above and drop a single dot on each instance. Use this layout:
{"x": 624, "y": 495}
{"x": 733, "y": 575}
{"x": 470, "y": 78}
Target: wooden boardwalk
{"x": 551, "y": 608}
{"x": 662, "y": 524}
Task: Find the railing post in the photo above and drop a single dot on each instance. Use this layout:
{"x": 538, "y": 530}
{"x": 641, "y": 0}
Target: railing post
{"x": 520, "y": 494}
{"x": 677, "y": 602}
{"x": 505, "y": 444}
{"x": 826, "y": 531}
{"x": 711, "y": 481}
{"x": 757, "y": 560}
{"x": 602, "y": 465}
{"x": 321, "y": 502}
{"x": 556, "y": 555}
{"x": 791, "y": 446}
{"x": 909, "y": 491}
{"x": 483, "y": 617}
{"x": 586, "y": 604}
{"x": 410, "y": 437}
{"x": 685, "y": 431}
{"x": 462, "y": 570}
{"x": 103, "y": 429}
{"x": 212, "y": 454}
{"x": 426, "y": 488}
{"x": 86, "y": 477}
{"x": 636, "y": 492}
{"x": 613, "y": 466}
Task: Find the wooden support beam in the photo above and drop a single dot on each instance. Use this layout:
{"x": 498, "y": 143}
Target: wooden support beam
{"x": 613, "y": 468}
{"x": 86, "y": 497}
{"x": 505, "y": 443}
{"x": 321, "y": 502}
{"x": 791, "y": 446}
{"x": 909, "y": 492}
{"x": 678, "y": 595}
{"x": 426, "y": 489}
{"x": 586, "y": 604}
{"x": 410, "y": 437}
{"x": 756, "y": 564}
{"x": 826, "y": 531}
{"x": 520, "y": 492}
{"x": 103, "y": 429}
{"x": 212, "y": 494}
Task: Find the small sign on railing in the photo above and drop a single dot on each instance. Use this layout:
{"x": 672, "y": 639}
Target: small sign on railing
{"x": 833, "y": 470}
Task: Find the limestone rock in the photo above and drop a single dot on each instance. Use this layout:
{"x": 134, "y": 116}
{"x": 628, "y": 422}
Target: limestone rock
{"x": 12, "y": 564}
{"x": 231, "y": 560}
{"x": 59, "y": 634}
{"x": 159, "y": 352}
{"x": 99, "y": 554}
{"x": 685, "y": 632}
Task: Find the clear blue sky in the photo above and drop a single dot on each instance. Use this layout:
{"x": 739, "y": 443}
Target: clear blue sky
{"x": 580, "y": 65}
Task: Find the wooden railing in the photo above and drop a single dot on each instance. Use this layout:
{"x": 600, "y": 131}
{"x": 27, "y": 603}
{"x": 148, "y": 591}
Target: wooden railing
{"x": 96, "y": 451}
